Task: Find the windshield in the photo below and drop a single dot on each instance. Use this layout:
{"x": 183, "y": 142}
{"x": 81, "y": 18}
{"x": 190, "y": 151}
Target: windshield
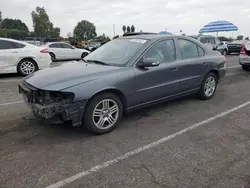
{"x": 117, "y": 52}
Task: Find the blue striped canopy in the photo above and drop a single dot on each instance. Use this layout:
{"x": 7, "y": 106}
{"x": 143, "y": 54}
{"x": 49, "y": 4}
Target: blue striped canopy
{"x": 218, "y": 26}
{"x": 165, "y": 33}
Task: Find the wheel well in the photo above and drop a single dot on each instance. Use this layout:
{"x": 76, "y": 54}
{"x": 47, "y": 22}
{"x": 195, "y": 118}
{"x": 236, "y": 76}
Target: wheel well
{"x": 28, "y": 58}
{"x": 216, "y": 73}
{"x": 117, "y": 92}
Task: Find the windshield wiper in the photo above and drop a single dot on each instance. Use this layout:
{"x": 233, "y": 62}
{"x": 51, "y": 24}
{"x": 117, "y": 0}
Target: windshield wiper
{"x": 98, "y": 62}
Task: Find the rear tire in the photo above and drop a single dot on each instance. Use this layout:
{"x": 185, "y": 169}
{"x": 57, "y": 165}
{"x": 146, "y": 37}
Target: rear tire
{"x": 245, "y": 67}
{"x": 208, "y": 86}
{"x": 26, "y": 67}
{"x": 103, "y": 113}
{"x": 53, "y": 57}
{"x": 84, "y": 54}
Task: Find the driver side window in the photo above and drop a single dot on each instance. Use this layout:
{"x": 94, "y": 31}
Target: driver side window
{"x": 163, "y": 51}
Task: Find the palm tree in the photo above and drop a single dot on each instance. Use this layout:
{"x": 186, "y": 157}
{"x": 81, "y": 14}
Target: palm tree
{"x": 132, "y": 28}
{"x": 124, "y": 29}
{"x": 128, "y": 29}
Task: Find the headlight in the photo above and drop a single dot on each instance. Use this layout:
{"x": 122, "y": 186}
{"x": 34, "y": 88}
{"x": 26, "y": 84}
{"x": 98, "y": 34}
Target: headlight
{"x": 50, "y": 97}
{"x": 57, "y": 96}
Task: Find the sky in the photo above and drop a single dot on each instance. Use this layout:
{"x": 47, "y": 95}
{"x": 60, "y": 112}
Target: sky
{"x": 146, "y": 15}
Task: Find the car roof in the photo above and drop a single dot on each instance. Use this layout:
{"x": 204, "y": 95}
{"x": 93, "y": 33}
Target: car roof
{"x": 18, "y": 41}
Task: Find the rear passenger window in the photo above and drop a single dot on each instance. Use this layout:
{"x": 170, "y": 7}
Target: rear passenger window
{"x": 5, "y": 45}
{"x": 188, "y": 49}
{"x": 163, "y": 51}
{"x": 201, "y": 51}
{"x": 55, "y": 45}
{"x": 17, "y": 45}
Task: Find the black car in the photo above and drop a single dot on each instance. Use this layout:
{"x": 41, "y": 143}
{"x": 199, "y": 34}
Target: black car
{"x": 235, "y": 46}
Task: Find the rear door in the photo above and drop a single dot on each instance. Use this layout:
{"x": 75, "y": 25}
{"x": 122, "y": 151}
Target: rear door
{"x": 192, "y": 65}
{"x": 9, "y": 55}
{"x": 57, "y": 49}
{"x": 155, "y": 83}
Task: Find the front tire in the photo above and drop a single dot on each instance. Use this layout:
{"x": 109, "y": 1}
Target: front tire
{"x": 245, "y": 67}
{"x": 103, "y": 113}
{"x": 208, "y": 87}
{"x": 26, "y": 67}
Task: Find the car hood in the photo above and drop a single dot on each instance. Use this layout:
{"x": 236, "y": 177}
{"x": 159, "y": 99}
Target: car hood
{"x": 67, "y": 75}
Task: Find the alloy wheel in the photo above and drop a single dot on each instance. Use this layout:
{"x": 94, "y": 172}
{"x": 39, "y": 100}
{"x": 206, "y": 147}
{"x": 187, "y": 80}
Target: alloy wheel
{"x": 210, "y": 86}
{"x": 105, "y": 114}
{"x": 27, "y": 67}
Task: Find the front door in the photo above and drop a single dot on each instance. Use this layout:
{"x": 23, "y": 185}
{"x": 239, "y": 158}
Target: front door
{"x": 69, "y": 51}
{"x": 155, "y": 83}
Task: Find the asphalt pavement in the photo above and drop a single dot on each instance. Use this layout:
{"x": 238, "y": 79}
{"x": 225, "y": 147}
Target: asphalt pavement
{"x": 182, "y": 143}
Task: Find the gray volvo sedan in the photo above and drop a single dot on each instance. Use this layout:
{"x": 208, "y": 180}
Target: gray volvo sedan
{"x": 124, "y": 74}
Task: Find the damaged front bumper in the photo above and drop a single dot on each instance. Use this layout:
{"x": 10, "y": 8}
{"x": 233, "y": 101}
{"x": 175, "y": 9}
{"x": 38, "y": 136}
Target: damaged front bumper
{"x": 53, "y": 112}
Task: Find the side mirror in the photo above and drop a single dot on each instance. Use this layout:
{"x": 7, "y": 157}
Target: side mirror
{"x": 149, "y": 62}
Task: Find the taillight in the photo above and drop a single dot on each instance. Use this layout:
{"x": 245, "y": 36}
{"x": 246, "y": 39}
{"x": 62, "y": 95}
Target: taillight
{"x": 44, "y": 50}
{"x": 242, "y": 51}
{"x": 225, "y": 60}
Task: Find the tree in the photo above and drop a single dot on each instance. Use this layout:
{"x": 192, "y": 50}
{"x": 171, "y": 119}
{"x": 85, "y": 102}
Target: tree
{"x": 240, "y": 37}
{"x": 0, "y": 17}
{"x": 247, "y": 38}
{"x": 133, "y": 28}
{"x": 124, "y": 28}
{"x": 128, "y": 29}
{"x": 14, "y": 24}
{"x": 85, "y": 30}
{"x": 42, "y": 26}
{"x": 53, "y": 32}
{"x": 41, "y": 22}
{"x": 69, "y": 35}
{"x": 103, "y": 38}
{"x": 222, "y": 38}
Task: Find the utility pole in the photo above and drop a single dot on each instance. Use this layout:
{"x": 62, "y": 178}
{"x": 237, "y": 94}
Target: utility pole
{"x": 114, "y": 29}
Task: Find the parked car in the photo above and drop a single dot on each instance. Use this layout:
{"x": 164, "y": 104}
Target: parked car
{"x": 21, "y": 57}
{"x": 64, "y": 51}
{"x": 235, "y": 46}
{"x": 212, "y": 42}
{"x": 244, "y": 57}
{"x": 123, "y": 75}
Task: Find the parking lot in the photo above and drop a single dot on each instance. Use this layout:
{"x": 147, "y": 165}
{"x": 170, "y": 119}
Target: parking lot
{"x": 182, "y": 143}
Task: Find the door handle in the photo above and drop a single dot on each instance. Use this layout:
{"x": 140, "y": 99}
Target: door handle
{"x": 14, "y": 52}
{"x": 204, "y": 63}
{"x": 174, "y": 69}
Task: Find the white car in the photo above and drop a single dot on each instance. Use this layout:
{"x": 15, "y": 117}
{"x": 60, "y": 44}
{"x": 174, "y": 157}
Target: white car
{"x": 64, "y": 51}
{"x": 21, "y": 57}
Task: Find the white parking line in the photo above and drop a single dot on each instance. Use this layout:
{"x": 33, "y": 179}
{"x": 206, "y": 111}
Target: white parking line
{"x": 10, "y": 103}
{"x": 141, "y": 149}
{"x": 232, "y": 67}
